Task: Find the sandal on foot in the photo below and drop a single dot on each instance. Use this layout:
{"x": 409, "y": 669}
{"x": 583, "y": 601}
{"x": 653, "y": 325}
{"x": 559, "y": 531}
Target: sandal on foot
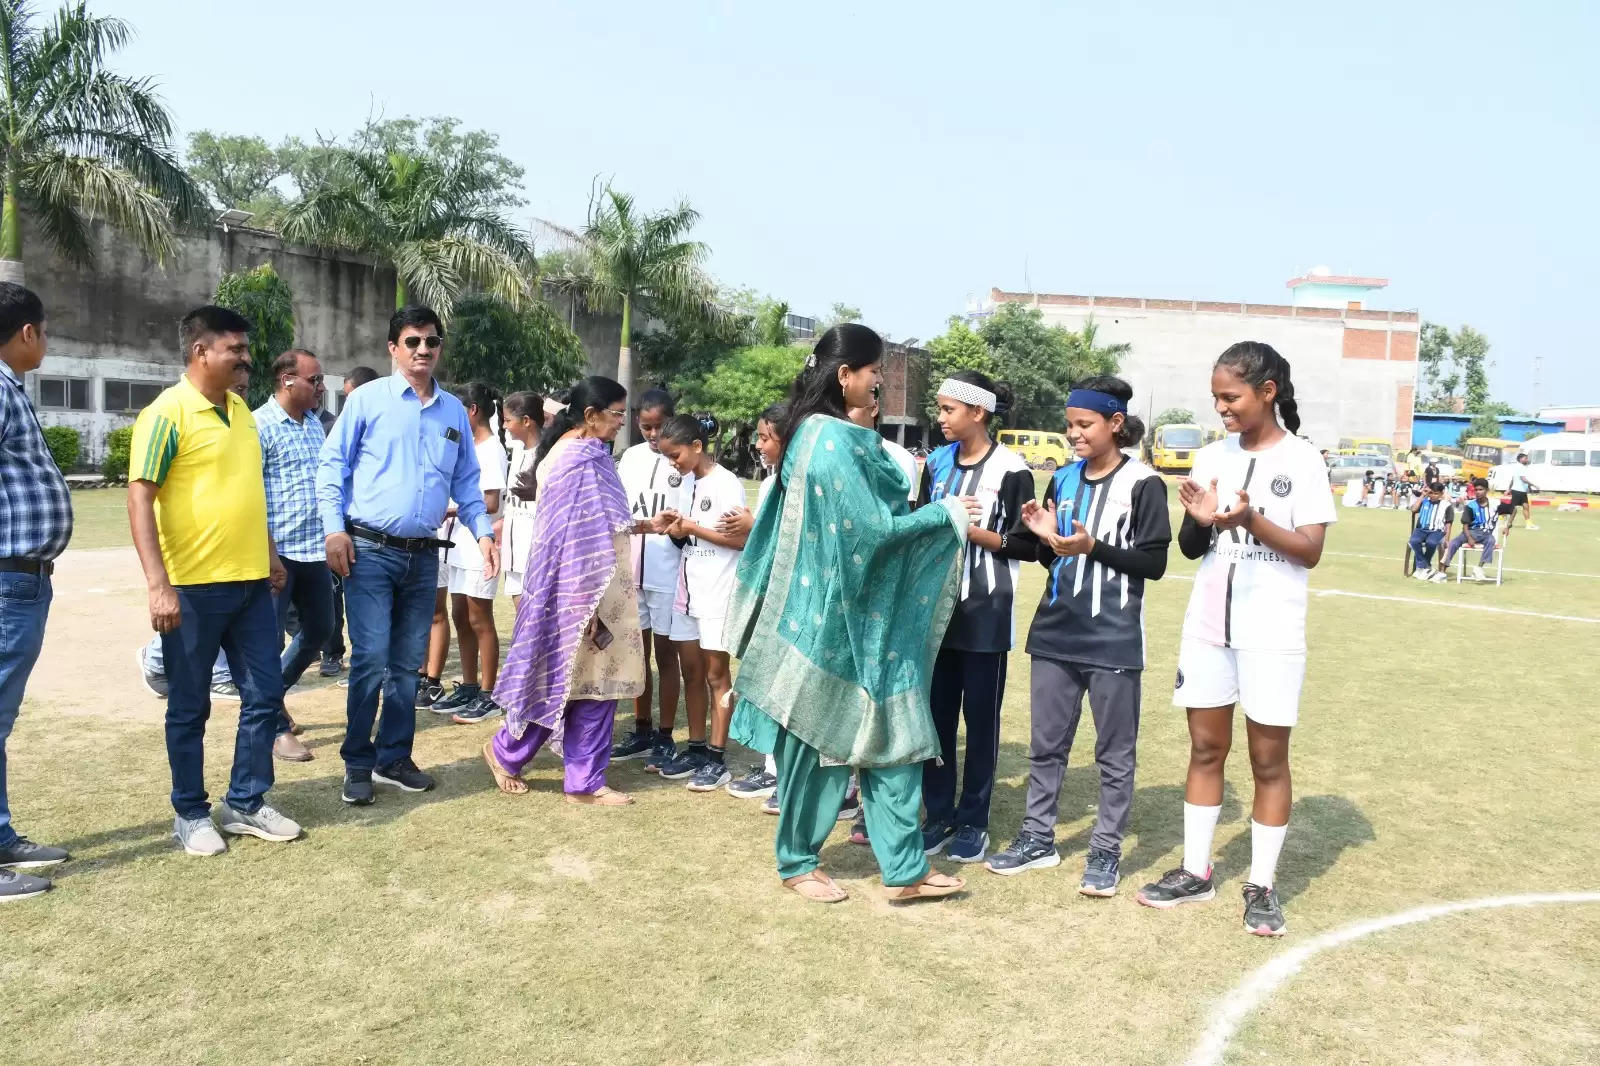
{"x": 817, "y": 887}
{"x": 604, "y": 796}
{"x": 927, "y": 888}
{"x": 504, "y": 780}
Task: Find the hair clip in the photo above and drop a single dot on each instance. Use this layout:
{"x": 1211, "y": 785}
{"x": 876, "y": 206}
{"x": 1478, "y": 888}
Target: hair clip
{"x": 811, "y": 361}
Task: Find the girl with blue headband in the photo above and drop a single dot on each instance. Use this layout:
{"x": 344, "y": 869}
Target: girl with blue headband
{"x": 1102, "y": 533}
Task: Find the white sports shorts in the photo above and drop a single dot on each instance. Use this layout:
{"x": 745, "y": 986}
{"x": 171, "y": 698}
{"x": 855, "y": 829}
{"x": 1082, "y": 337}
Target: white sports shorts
{"x": 1265, "y": 683}
{"x": 712, "y": 635}
{"x": 465, "y": 582}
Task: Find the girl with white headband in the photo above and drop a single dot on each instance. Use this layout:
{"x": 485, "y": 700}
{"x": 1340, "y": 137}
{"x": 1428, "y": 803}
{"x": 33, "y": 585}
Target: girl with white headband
{"x": 1103, "y": 533}
{"x": 969, "y": 676}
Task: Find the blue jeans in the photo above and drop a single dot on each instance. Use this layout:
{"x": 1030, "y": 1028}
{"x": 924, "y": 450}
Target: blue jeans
{"x": 24, "y": 606}
{"x": 310, "y": 590}
{"x": 237, "y": 617}
{"x": 388, "y": 603}
{"x": 1424, "y": 542}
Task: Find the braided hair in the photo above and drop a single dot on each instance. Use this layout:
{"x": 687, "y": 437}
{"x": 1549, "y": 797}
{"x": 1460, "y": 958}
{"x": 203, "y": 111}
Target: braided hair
{"x": 1258, "y": 363}
{"x": 487, "y": 400}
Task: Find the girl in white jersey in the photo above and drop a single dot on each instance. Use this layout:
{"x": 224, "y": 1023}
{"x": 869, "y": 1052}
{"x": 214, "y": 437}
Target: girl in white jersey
{"x": 1256, "y": 508}
{"x": 523, "y": 414}
{"x": 654, "y": 486}
{"x": 471, "y": 595}
{"x": 710, "y": 561}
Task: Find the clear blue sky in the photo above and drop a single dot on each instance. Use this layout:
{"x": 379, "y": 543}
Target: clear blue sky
{"x": 900, "y": 156}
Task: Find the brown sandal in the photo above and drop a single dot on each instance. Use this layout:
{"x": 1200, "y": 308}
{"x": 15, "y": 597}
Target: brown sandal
{"x": 504, "y": 780}
{"x": 817, "y": 887}
{"x": 926, "y": 888}
{"x": 604, "y": 796}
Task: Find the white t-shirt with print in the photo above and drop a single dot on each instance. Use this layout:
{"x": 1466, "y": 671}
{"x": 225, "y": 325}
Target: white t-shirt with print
{"x": 1246, "y": 595}
{"x": 654, "y": 485}
{"x": 493, "y": 463}
{"x": 708, "y": 569}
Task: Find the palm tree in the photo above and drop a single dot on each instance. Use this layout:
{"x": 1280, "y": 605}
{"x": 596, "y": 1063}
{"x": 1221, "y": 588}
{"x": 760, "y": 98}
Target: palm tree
{"x": 631, "y": 261}
{"x": 78, "y": 141}
{"x": 1095, "y": 359}
{"x": 434, "y": 220}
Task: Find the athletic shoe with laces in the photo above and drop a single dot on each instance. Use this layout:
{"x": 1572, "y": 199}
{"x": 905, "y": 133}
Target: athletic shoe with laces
{"x": 404, "y": 775}
{"x": 357, "y": 787}
{"x": 24, "y": 854}
{"x": 636, "y": 745}
{"x": 757, "y": 784}
{"x": 429, "y": 692}
{"x": 771, "y": 806}
{"x": 331, "y": 667}
{"x": 225, "y": 690}
{"x": 663, "y": 753}
{"x": 1478, "y": 574}
{"x": 1101, "y": 874}
{"x": 1027, "y": 852}
{"x": 265, "y": 823}
{"x": 935, "y": 836}
{"x": 14, "y": 886}
{"x": 479, "y": 709}
{"x": 1421, "y": 574}
{"x": 198, "y": 836}
{"x": 968, "y": 845}
{"x": 1176, "y": 887}
{"x": 462, "y": 695}
{"x": 1439, "y": 577}
{"x": 154, "y": 680}
{"x": 684, "y": 764}
{"x": 1263, "y": 915}
{"x": 711, "y": 776}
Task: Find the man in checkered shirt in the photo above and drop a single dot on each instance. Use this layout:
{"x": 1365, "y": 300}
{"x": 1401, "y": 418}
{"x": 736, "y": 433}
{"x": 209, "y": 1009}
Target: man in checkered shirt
{"x": 35, "y": 525}
{"x": 291, "y": 441}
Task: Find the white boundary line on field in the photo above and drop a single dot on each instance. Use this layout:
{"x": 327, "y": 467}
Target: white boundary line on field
{"x": 1245, "y": 996}
{"x": 1458, "y": 606}
{"x": 1509, "y": 569}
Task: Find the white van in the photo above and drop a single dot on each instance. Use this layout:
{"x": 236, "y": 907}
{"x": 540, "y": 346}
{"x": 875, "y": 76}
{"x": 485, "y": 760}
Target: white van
{"x": 1563, "y": 462}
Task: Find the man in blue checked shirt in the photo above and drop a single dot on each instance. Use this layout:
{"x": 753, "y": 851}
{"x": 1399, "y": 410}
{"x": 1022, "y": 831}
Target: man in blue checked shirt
{"x": 400, "y": 452}
{"x": 35, "y": 525}
{"x": 291, "y": 445}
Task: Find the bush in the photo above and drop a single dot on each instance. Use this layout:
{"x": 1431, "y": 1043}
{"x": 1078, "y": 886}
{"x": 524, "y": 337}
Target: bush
{"x": 119, "y": 442}
{"x": 65, "y": 444}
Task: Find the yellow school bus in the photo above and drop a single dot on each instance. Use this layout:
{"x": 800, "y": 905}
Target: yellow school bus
{"x": 1040, "y": 449}
{"x": 1174, "y": 446}
{"x": 1482, "y": 454}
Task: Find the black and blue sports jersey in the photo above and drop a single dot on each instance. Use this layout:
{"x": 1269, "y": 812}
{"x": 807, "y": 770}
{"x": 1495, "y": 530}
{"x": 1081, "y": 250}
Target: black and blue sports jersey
{"x": 1092, "y": 611}
{"x": 1002, "y": 482}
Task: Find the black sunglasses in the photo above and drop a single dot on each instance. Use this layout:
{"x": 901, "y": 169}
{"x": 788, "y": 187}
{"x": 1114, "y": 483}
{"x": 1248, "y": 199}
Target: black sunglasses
{"x": 433, "y": 340}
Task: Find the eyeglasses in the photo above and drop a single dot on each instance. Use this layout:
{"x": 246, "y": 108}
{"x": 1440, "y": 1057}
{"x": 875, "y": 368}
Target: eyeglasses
{"x": 314, "y": 379}
{"x": 433, "y": 340}
{"x": 614, "y": 413}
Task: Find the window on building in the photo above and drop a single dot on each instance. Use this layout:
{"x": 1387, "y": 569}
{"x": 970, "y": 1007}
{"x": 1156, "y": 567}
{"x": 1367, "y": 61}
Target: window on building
{"x": 64, "y": 394}
{"x": 130, "y": 395}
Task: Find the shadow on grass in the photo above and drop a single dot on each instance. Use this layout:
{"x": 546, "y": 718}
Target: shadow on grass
{"x": 1320, "y": 829}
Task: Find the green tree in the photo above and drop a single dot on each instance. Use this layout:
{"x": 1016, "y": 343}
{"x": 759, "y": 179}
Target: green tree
{"x": 745, "y": 384}
{"x": 772, "y": 325}
{"x": 264, "y": 298}
{"x": 1483, "y": 425}
{"x": 958, "y": 348}
{"x": 512, "y": 348}
{"x": 232, "y": 170}
{"x": 78, "y": 141}
{"x": 438, "y": 220}
{"x": 1433, "y": 360}
{"x": 641, "y": 262}
{"x": 838, "y": 314}
{"x": 1173, "y": 416}
{"x": 1039, "y": 362}
{"x": 1470, "y": 350}
{"x": 1091, "y": 357}
{"x": 64, "y": 443}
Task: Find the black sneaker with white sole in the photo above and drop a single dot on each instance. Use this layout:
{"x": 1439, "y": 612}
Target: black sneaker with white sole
{"x": 15, "y": 886}
{"x": 476, "y": 711}
{"x": 757, "y": 784}
{"x": 1263, "y": 915}
{"x": 357, "y": 787}
{"x": 404, "y": 775}
{"x": 1027, "y": 852}
{"x": 1102, "y": 872}
{"x": 1177, "y": 887}
{"x": 461, "y": 696}
{"x": 711, "y": 776}
{"x": 636, "y": 745}
{"x": 429, "y": 692}
{"x": 24, "y": 854}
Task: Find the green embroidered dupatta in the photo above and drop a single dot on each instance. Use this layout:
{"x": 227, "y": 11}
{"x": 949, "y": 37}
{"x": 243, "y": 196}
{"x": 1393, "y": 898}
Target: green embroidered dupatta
{"x": 842, "y": 599}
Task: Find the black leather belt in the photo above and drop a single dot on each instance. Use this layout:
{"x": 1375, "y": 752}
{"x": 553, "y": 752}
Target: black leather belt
{"x": 405, "y": 544}
{"x": 42, "y": 567}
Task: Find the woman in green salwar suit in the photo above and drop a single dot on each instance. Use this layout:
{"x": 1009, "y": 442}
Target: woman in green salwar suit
{"x": 842, "y": 599}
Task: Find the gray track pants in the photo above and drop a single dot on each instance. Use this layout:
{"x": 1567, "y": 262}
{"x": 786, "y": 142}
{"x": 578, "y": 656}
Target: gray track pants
{"x": 1058, "y": 689}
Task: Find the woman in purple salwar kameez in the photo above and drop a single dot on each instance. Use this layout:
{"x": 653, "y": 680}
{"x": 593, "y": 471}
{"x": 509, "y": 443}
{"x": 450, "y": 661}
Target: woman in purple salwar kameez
{"x": 576, "y": 648}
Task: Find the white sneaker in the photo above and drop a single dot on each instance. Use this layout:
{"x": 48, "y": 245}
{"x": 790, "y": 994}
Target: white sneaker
{"x": 265, "y": 823}
{"x": 1529, "y": 525}
{"x": 1439, "y": 577}
{"x": 198, "y": 836}
{"x": 1478, "y": 574}
{"x": 1420, "y": 575}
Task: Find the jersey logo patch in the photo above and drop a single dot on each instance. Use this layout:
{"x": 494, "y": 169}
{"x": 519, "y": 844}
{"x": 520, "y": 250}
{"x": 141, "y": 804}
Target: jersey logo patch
{"x": 1180, "y": 678}
{"x": 1282, "y": 486}
{"x": 705, "y": 504}
{"x": 674, "y": 480}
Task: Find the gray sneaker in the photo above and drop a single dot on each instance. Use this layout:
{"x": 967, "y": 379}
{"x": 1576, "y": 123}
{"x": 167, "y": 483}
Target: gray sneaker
{"x": 198, "y": 836}
{"x": 14, "y": 886}
{"x": 265, "y": 823}
{"x": 225, "y": 690}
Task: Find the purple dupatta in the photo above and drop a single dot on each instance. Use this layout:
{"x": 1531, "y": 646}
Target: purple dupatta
{"x": 582, "y": 506}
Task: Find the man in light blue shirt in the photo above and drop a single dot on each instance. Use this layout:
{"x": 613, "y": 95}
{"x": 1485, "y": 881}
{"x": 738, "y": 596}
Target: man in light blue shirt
{"x": 401, "y": 450}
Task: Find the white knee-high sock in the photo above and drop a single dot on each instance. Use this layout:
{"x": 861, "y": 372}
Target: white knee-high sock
{"x": 1266, "y": 842}
{"x": 1199, "y": 826}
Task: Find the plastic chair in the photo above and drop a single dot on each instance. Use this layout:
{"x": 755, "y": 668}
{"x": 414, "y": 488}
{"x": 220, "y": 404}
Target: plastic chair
{"x": 1499, "y": 561}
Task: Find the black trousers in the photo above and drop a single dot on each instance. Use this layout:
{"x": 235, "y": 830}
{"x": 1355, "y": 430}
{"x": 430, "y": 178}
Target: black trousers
{"x": 967, "y": 685}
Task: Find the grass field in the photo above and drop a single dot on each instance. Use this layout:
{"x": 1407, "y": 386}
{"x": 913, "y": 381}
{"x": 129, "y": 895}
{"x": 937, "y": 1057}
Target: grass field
{"x": 1444, "y": 753}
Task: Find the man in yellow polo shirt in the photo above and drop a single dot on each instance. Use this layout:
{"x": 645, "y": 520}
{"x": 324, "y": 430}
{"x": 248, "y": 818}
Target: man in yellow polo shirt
{"x": 198, "y": 509}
